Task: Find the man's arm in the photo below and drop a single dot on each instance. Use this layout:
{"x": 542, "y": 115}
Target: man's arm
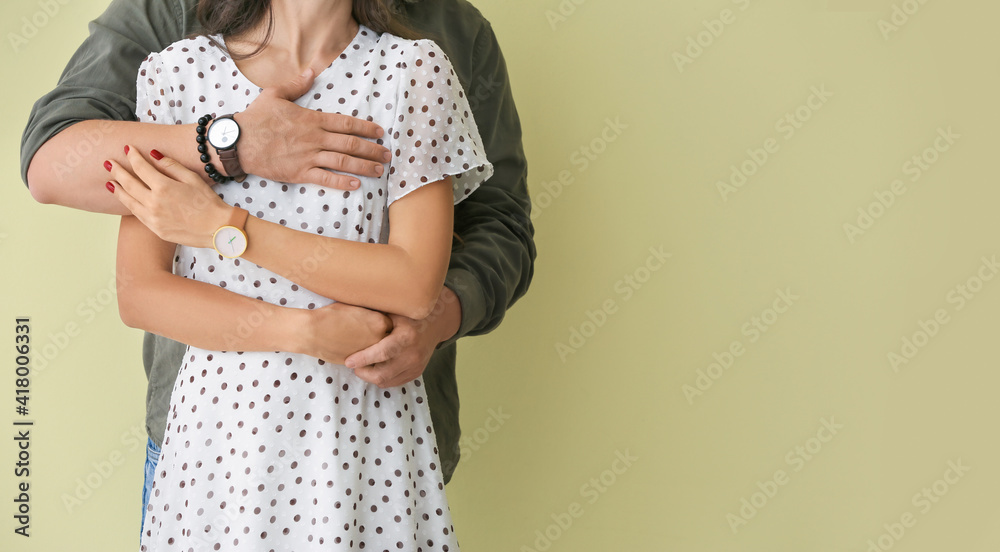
{"x": 88, "y": 117}
{"x": 494, "y": 266}
{"x": 58, "y": 175}
{"x": 98, "y": 87}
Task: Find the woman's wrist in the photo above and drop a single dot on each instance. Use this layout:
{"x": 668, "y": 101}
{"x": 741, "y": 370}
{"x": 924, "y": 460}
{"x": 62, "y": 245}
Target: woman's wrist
{"x": 290, "y": 329}
{"x": 217, "y": 218}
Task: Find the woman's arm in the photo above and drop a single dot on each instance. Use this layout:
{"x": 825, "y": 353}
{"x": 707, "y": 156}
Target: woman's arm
{"x": 150, "y": 297}
{"x": 403, "y": 276}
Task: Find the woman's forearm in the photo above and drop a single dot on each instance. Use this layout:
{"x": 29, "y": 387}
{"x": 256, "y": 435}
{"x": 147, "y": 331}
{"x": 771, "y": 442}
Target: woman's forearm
{"x": 207, "y": 316}
{"x": 402, "y": 278}
{"x": 69, "y": 168}
{"x": 150, "y": 297}
{"x": 375, "y": 275}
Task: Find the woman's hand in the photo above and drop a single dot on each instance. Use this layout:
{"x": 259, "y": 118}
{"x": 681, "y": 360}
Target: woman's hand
{"x": 171, "y": 200}
{"x": 333, "y": 332}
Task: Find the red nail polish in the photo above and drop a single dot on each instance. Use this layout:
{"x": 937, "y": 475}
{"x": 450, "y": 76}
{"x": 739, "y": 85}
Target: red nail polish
{"x": 110, "y": 187}
{"x": 107, "y": 165}
{"x": 126, "y": 150}
{"x": 155, "y": 154}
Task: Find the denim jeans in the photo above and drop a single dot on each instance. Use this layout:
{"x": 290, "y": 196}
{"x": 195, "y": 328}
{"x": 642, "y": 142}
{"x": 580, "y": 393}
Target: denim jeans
{"x": 152, "y": 458}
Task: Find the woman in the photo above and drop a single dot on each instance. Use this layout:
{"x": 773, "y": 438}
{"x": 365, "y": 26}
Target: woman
{"x": 281, "y": 450}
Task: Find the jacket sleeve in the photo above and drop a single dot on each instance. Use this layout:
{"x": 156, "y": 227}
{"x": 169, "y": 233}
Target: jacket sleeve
{"x": 493, "y": 267}
{"x": 99, "y": 82}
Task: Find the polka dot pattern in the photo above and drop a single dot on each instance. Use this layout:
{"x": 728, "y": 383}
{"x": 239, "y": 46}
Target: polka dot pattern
{"x": 434, "y": 132}
{"x": 279, "y": 451}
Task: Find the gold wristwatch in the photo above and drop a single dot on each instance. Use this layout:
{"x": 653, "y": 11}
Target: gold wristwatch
{"x": 230, "y": 240}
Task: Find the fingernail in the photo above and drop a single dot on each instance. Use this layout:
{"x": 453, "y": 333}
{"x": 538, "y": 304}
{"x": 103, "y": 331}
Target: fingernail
{"x": 107, "y": 165}
{"x": 126, "y": 150}
{"x": 355, "y": 183}
{"x": 387, "y": 156}
{"x": 155, "y": 155}
{"x": 110, "y": 187}
{"x": 379, "y": 169}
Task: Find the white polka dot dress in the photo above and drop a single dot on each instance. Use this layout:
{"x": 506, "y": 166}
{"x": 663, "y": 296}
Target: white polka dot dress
{"x": 279, "y": 451}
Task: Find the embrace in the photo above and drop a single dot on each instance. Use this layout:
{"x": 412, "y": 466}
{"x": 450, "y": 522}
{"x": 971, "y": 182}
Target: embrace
{"x": 313, "y": 212}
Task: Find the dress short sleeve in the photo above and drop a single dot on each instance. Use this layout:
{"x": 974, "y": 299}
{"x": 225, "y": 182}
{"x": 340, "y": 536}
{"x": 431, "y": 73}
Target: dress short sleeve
{"x": 434, "y": 132}
{"x": 153, "y": 92}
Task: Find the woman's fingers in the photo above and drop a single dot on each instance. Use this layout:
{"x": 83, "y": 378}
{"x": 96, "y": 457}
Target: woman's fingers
{"x": 174, "y": 169}
{"x": 126, "y": 199}
{"x": 162, "y": 170}
{"x": 172, "y": 201}
{"x": 123, "y": 178}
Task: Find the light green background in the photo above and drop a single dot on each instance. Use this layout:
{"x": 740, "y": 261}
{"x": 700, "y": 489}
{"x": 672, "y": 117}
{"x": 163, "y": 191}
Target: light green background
{"x": 652, "y": 185}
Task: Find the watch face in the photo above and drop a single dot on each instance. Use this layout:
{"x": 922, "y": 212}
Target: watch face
{"x": 230, "y": 242}
{"x": 223, "y": 133}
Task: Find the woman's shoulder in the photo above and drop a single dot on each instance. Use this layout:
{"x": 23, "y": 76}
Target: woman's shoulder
{"x": 187, "y": 51}
{"x": 409, "y": 48}
{"x": 415, "y": 59}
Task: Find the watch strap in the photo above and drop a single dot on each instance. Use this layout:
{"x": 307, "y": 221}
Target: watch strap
{"x": 229, "y": 156}
{"x": 239, "y": 219}
{"x": 231, "y": 163}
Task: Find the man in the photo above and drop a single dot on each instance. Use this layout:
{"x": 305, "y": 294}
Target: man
{"x": 91, "y": 109}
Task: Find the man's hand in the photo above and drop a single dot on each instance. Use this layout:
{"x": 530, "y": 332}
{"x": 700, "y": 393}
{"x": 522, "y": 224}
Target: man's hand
{"x": 170, "y": 199}
{"x": 332, "y": 332}
{"x": 284, "y": 142}
{"x": 402, "y": 356}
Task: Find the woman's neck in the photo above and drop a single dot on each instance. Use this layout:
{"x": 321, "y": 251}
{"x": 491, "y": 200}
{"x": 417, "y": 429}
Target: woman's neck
{"x": 305, "y": 33}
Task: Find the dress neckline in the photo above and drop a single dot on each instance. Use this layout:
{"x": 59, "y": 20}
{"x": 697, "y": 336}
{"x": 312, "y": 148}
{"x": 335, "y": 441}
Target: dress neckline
{"x": 227, "y": 59}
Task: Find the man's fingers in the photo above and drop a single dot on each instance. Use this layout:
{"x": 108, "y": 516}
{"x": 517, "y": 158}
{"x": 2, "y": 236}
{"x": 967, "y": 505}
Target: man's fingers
{"x": 383, "y": 376}
{"x": 388, "y": 374}
{"x": 355, "y": 147}
{"x": 295, "y": 88}
{"x": 328, "y": 179}
{"x": 345, "y": 124}
{"x": 375, "y": 354}
{"x": 370, "y": 374}
{"x": 348, "y": 164}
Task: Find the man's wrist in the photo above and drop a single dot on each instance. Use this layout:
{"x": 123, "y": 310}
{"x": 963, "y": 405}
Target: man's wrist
{"x": 471, "y": 303}
{"x": 190, "y": 155}
{"x": 448, "y": 315}
{"x": 246, "y": 159}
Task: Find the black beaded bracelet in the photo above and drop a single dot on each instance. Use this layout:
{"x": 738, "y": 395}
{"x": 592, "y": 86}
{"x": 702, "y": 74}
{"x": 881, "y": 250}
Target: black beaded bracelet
{"x": 202, "y": 128}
